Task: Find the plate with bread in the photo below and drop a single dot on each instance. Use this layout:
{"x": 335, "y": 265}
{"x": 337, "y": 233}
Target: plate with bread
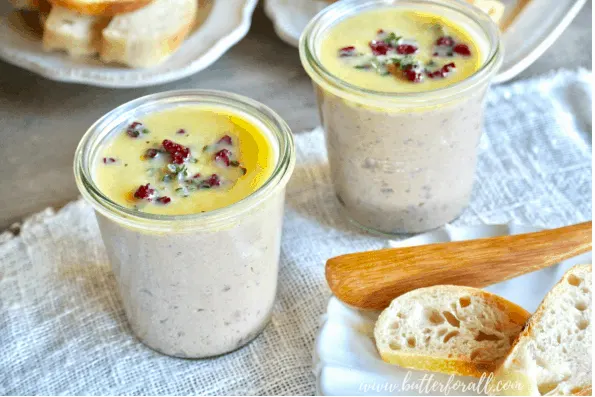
{"x": 529, "y": 27}
{"x": 528, "y": 335}
{"x": 120, "y": 43}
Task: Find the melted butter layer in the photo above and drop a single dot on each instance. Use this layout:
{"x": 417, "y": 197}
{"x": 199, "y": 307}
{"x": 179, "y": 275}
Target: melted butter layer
{"x": 359, "y": 30}
{"x": 203, "y": 127}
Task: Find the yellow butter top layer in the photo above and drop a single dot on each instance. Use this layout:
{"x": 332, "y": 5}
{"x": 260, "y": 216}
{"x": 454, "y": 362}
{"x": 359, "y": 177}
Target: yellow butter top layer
{"x": 194, "y": 159}
{"x": 399, "y": 50}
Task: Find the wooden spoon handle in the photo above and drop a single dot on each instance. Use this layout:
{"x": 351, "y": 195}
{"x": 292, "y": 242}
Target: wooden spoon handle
{"x": 371, "y": 280}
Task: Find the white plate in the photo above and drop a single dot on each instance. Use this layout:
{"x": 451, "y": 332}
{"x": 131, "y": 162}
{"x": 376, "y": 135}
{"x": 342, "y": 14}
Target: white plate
{"x": 527, "y": 36}
{"x": 345, "y": 356}
{"x": 227, "y": 23}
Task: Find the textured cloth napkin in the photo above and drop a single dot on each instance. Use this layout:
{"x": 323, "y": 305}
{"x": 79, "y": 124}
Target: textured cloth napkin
{"x": 63, "y": 330}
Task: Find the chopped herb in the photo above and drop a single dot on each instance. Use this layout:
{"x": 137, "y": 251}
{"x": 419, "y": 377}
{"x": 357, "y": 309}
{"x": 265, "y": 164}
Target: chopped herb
{"x": 234, "y": 163}
{"x": 392, "y": 39}
{"x": 166, "y": 178}
{"x": 244, "y": 170}
{"x": 205, "y": 148}
{"x": 182, "y": 191}
{"x": 176, "y": 169}
{"x": 193, "y": 160}
{"x": 145, "y": 131}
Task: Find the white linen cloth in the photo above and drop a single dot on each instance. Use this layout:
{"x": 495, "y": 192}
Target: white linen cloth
{"x": 63, "y": 330}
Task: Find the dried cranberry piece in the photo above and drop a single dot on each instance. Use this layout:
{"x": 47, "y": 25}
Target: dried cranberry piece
{"x": 380, "y": 31}
{"x": 197, "y": 175}
{"x": 223, "y": 156}
{"x": 225, "y": 139}
{"x": 181, "y": 131}
{"x": 213, "y": 180}
{"x": 445, "y": 41}
{"x": 406, "y": 49}
{"x": 164, "y": 200}
{"x": 462, "y": 49}
{"x": 151, "y": 153}
{"x": 348, "y": 51}
{"x": 109, "y": 160}
{"x": 412, "y": 75}
{"x": 434, "y": 74}
{"x": 178, "y": 153}
{"x": 442, "y": 72}
{"x": 134, "y": 129}
{"x": 379, "y": 47}
{"x": 144, "y": 192}
{"x": 448, "y": 67}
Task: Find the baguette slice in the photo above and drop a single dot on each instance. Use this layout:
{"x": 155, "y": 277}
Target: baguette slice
{"x": 552, "y": 355}
{"x": 449, "y": 329}
{"x": 104, "y": 8}
{"x": 150, "y": 35}
{"x": 77, "y": 34}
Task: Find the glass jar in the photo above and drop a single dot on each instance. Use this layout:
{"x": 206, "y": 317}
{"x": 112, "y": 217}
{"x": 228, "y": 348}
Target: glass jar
{"x": 194, "y": 285}
{"x": 402, "y": 162}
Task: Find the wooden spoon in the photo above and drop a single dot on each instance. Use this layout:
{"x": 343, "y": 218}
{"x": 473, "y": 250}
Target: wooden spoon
{"x": 371, "y": 280}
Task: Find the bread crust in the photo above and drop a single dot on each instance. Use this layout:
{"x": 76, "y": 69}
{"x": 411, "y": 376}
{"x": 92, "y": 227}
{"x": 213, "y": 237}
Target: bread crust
{"x": 106, "y": 8}
{"x": 148, "y": 51}
{"x": 456, "y": 363}
{"x": 503, "y": 373}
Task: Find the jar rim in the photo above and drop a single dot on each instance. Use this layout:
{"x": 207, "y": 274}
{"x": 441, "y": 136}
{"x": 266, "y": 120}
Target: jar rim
{"x": 221, "y": 217}
{"x": 346, "y": 8}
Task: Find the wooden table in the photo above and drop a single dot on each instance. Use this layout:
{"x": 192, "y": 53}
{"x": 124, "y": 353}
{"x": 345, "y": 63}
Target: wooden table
{"x": 41, "y": 121}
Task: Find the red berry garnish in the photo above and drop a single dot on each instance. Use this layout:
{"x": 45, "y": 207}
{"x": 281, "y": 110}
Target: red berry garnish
{"x": 163, "y": 200}
{"x": 347, "y": 51}
{"x": 144, "y": 192}
{"x": 379, "y": 47}
{"x": 445, "y": 41}
{"x": 212, "y": 181}
{"x": 178, "y": 153}
{"x": 151, "y": 153}
{"x": 462, "y": 49}
{"x": 135, "y": 128}
{"x": 109, "y": 160}
{"x": 434, "y": 74}
{"x": 412, "y": 75}
{"x": 435, "y": 54}
{"x": 448, "y": 67}
{"x": 225, "y": 139}
{"x": 406, "y": 49}
{"x": 181, "y": 131}
{"x": 223, "y": 156}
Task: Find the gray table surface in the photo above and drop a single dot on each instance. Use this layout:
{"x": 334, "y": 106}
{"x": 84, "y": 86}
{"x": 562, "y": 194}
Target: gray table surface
{"x": 41, "y": 121}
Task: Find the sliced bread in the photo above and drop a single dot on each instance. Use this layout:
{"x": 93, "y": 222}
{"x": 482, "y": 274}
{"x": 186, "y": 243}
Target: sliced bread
{"x": 104, "y": 8}
{"x": 77, "y": 34}
{"x": 553, "y": 354}
{"x": 449, "y": 329}
{"x": 148, "y": 36}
